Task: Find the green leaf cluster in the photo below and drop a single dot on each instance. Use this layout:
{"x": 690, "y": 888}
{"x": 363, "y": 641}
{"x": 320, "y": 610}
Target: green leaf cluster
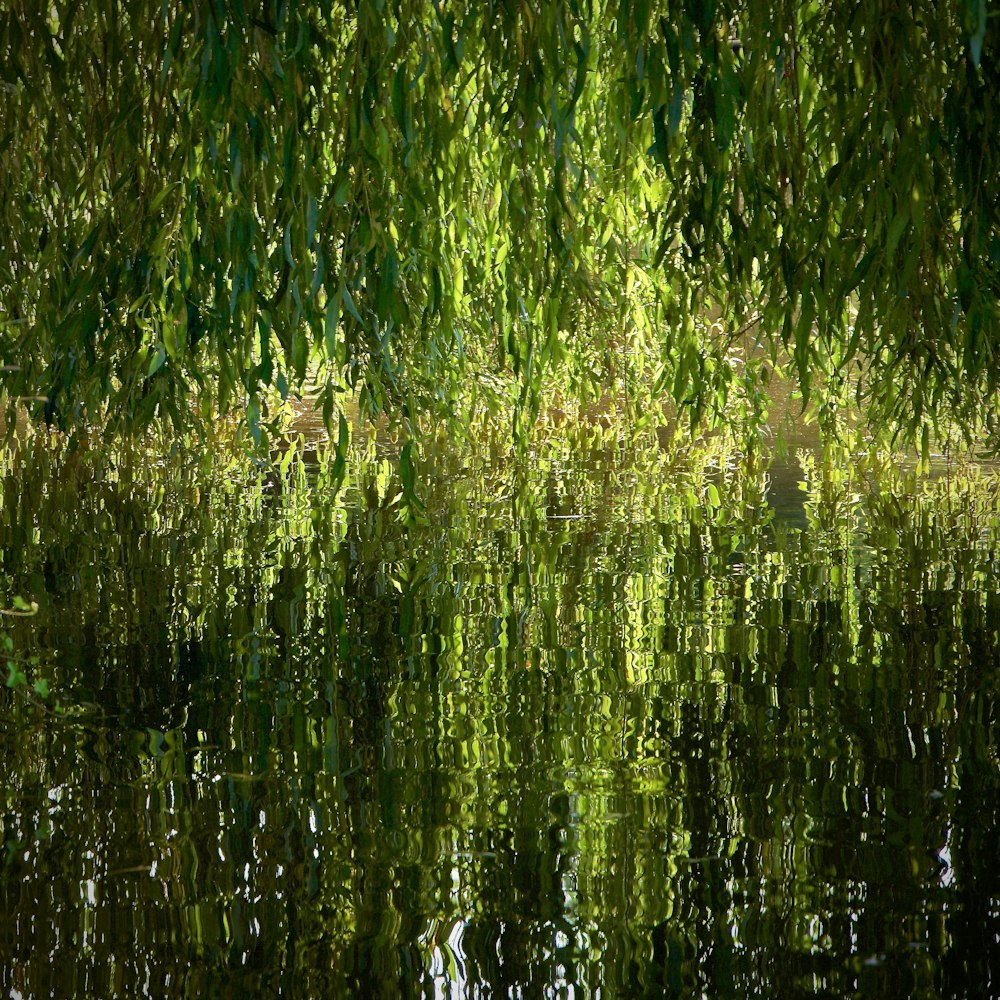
{"x": 446, "y": 206}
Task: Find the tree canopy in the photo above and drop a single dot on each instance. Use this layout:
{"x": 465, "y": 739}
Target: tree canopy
{"x": 445, "y": 203}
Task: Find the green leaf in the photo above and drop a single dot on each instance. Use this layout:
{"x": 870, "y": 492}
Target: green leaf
{"x": 675, "y": 110}
{"x": 330, "y": 327}
{"x": 349, "y": 304}
{"x": 343, "y": 440}
{"x": 163, "y": 195}
{"x": 406, "y": 467}
{"x": 312, "y": 217}
{"x": 235, "y": 163}
{"x": 860, "y": 270}
{"x": 156, "y": 361}
{"x": 300, "y": 353}
{"x": 253, "y": 419}
{"x": 896, "y": 230}
{"x": 265, "y": 368}
{"x": 408, "y": 477}
{"x": 169, "y": 338}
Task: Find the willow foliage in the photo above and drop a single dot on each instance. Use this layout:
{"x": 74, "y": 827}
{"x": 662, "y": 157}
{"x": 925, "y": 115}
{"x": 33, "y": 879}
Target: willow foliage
{"x": 447, "y": 201}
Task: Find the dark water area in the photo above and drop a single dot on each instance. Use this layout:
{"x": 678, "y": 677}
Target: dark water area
{"x": 585, "y": 729}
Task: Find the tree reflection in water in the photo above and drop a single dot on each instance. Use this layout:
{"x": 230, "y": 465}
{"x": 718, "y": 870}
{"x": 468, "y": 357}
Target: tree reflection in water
{"x": 587, "y": 728}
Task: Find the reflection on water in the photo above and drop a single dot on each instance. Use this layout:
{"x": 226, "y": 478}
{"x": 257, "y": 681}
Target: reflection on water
{"x": 586, "y": 731}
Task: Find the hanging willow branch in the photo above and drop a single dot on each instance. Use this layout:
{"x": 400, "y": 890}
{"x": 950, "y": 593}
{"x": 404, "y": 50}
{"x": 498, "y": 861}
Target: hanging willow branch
{"x": 204, "y": 199}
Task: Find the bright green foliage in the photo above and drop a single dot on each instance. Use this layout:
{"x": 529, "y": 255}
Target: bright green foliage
{"x": 16, "y": 677}
{"x": 448, "y": 202}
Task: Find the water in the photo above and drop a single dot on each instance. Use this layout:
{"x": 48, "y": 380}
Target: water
{"x": 592, "y": 729}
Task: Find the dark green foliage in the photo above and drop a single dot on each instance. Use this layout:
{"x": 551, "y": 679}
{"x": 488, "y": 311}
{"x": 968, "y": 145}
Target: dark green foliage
{"x": 726, "y": 744}
{"x": 202, "y": 199}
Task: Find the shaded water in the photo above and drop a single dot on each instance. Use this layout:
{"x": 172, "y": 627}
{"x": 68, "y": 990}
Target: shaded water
{"x": 590, "y": 730}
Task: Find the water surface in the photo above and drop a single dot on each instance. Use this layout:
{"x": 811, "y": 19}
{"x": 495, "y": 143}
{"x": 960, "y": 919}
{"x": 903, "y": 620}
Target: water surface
{"x": 585, "y": 731}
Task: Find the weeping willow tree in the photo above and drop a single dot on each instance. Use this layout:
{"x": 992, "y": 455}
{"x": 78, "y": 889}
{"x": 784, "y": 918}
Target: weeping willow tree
{"x": 442, "y": 206}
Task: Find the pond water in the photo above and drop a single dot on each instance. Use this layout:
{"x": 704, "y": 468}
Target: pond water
{"x": 586, "y": 728}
